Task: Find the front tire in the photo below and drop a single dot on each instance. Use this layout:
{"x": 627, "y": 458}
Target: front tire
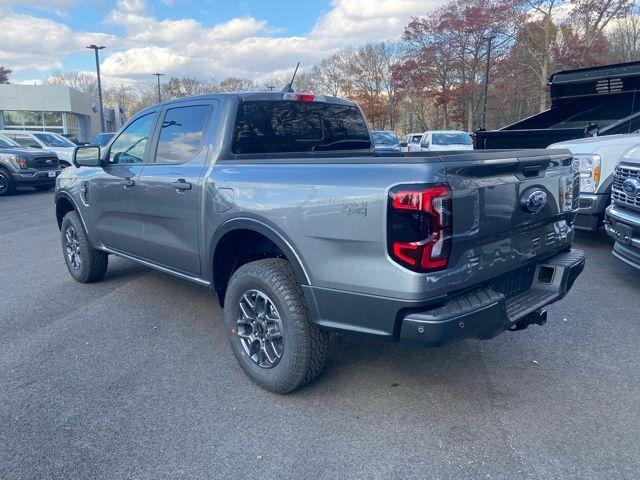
{"x": 85, "y": 263}
{"x": 269, "y": 329}
{"x": 7, "y": 186}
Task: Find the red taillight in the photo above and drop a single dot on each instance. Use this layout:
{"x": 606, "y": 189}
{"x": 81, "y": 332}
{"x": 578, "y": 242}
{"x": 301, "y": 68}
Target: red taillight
{"x": 304, "y": 97}
{"x": 419, "y": 226}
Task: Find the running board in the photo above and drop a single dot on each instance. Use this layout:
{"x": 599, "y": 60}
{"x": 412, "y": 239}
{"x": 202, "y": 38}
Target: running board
{"x": 191, "y": 278}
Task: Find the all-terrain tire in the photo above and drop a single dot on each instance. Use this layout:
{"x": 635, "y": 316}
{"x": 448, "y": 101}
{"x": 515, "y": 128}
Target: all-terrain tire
{"x": 304, "y": 344}
{"x": 85, "y": 264}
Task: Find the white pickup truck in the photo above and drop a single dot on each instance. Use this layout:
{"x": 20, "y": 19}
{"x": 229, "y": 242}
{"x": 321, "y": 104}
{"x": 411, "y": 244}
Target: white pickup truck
{"x": 598, "y": 158}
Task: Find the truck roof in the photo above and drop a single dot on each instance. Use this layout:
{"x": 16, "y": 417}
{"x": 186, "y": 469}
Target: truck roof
{"x": 256, "y": 96}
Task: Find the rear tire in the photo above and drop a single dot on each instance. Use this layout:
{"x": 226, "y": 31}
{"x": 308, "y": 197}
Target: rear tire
{"x": 276, "y": 344}
{"x": 7, "y": 187}
{"x": 85, "y": 263}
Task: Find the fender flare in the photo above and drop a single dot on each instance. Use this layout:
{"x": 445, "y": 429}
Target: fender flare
{"x": 69, "y": 198}
{"x": 269, "y": 231}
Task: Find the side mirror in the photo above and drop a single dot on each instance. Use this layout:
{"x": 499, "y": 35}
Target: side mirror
{"x": 403, "y": 144}
{"x": 425, "y": 145}
{"x": 86, "y": 156}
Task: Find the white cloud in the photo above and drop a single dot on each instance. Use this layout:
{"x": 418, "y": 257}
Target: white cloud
{"x": 244, "y": 46}
{"x": 247, "y": 46}
{"x": 358, "y": 21}
{"x": 146, "y": 60}
{"x": 32, "y": 43}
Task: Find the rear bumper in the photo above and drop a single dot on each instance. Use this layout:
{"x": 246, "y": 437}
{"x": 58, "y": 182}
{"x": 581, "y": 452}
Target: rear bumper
{"x": 591, "y": 210}
{"x": 484, "y": 313}
{"x": 623, "y": 225}
{"x": 40, "y": 177}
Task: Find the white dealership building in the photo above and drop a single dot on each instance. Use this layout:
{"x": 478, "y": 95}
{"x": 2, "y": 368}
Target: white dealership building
{"x": 54, "y": 108}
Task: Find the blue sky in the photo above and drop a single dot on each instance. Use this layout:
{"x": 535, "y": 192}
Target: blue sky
{"x": 204, "y": 39}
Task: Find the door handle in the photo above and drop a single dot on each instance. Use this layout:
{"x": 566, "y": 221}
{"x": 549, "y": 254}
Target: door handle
{"x": 127, "y": 182}
{"x": 181, "y": 185}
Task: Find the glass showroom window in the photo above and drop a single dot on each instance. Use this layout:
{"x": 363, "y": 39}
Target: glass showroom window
{"x": 72, "y": 124}
{"x": 42, "y": 121}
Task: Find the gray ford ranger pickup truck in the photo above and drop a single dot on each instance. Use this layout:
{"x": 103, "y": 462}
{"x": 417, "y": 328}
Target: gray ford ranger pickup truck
{"x": 278, "y": 203}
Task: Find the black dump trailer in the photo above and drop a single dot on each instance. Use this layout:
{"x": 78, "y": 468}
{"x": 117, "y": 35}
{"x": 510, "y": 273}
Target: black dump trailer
{"x": 590, "y": 101}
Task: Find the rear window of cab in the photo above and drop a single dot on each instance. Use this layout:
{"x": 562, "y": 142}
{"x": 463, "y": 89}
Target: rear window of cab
{"x": 291, "y": 126}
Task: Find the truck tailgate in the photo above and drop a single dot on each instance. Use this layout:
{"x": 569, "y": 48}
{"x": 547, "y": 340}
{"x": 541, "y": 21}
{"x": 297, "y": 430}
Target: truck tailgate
{"x": 508, "y": 209}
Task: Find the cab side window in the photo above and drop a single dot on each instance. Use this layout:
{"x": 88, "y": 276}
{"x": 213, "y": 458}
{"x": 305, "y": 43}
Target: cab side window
{"x": 182, "y": 134}
{"x": 131, "y": 144}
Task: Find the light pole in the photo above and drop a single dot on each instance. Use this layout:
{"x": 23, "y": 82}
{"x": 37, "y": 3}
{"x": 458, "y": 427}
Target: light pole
{"x": 95, "y": 48}
{"x": 158, "y": 77}
{"x": 486, "y": 81}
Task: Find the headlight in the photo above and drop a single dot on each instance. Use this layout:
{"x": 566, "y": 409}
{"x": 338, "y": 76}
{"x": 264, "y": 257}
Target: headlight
{"x": 16, "y": 161}
{"x": 589, "y": 166}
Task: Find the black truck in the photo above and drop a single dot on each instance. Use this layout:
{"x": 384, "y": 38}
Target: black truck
{"x": 586, "y": 102}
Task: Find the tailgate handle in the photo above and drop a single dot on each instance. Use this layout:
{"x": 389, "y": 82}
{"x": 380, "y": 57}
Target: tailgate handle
{"x": 533, "y": 170}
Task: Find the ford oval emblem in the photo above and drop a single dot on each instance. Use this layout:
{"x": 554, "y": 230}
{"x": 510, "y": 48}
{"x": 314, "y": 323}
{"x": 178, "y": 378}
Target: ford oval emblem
{"x": 534, "y": 200}
{"x": 631, "y": 187}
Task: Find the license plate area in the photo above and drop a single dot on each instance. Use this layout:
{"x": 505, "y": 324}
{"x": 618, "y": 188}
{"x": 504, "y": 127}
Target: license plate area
{"x": 52, "y": 174}
{"x": 623, "y": 233}
{"x": 514, "y": 283}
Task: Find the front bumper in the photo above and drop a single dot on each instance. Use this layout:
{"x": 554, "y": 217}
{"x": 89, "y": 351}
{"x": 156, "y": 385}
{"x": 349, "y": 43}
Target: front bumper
{"x": 623, "y": 225}
{"x": 591, "y": 210}
{"x": 484, "y": 312}
{"x": 37, "y": 177}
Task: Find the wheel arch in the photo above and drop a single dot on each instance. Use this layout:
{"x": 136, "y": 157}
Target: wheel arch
{"x": 258, "y": 231}
{"x": 64, "y": 203}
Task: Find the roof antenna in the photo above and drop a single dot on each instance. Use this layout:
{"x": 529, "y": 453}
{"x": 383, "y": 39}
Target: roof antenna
{"x": 289, "y": 86}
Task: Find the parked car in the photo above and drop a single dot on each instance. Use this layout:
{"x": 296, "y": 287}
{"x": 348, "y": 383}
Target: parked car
{"x": 49, "y": 141}
{"x": 586, "y": 102}
{"x": 277, "y": 203}
{"x": 72, "y": 138}
{"x": 25, "y": 167}
{"x": 102, "y": 139}
{"x": 623, "y": 215}
{"x": 412, "y": 141}
{"x": 385, "y": 141}
{"x": 598, "y": 157}
{"x": 445, "y": 140}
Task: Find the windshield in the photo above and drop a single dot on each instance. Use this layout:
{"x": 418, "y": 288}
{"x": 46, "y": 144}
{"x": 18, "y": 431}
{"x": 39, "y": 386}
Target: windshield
{"x": 384, "y": 138}
{"x": 51, "y": 140}
{"x": 451, "y": 138}
{"x": 6, "y": 143}
{"x": 286, "y": 126}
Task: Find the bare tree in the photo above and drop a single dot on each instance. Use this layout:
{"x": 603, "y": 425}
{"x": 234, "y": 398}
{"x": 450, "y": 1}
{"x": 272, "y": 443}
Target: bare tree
{"x": 82, "y": 81}
{"x": 625, "y": 37}
{"x": 331, "y": 73}
{"x": 235, "y": 84}
{"x": 4, "y": 74}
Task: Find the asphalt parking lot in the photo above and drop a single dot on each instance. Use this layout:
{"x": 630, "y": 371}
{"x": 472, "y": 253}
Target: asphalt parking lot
{"x": 133, "y": 378}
